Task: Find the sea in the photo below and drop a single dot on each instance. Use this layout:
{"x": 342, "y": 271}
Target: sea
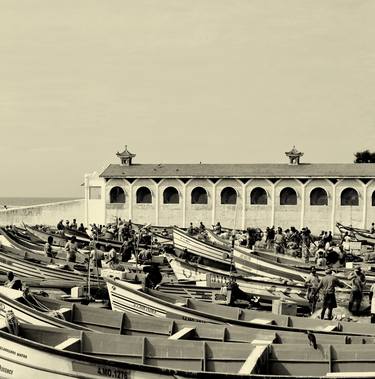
{"x": 11, "y": 202}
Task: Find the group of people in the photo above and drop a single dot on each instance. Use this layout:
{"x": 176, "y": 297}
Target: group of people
{"x": 321, "y": 249}
{"x": 70, "y": 225}
{"x": 327, "y": 286}
{"x": 121, "y": 231}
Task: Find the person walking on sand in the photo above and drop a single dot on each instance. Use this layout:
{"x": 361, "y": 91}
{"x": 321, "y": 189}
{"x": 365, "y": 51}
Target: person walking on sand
{"x": 312, "y": 283}
{"x": 358, "y": 282}
{"x": 328, "y": 284}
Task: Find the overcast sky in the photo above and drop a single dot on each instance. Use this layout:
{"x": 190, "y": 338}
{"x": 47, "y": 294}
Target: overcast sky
{"x": 179, "y": 81}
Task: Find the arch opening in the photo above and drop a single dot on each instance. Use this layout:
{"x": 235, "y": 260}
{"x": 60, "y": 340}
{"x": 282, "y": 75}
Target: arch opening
{"x": 116, "y": 195}
{"x": 288, "y": 196}
{"x": 143, "y": 195}
{"x": 199, "y": 196}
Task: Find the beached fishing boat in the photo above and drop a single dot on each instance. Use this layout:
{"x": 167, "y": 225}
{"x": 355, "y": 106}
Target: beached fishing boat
{"x": 244, "y": 261}
{"x": 40, "y": 310}
{"x": 43, "y": 352}
{"x": 361, "y": 235}
{"x": 41, "y": 235}
{"x": 253, "y": 263}
{"x": 184, "y": 241}
{"x": 266, "y": 288}
{"x": 12, "y": 239}
{"x": 126, "y": 296}
{"x": 8, "y": 246}
{"x": 34, "y": 268}
{"x": 205, "y": 291}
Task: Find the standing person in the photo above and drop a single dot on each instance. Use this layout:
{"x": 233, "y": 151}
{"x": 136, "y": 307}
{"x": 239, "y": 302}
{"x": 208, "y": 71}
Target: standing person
{"x": 96, "y": 256}
{"x": 191, "y": 229}
{"x": 71, "y": 249}
{"x": 270, "y": 237}
{"x": 60, "y": 225}
{"x": 372, "y": 230}
{"x": 305, "y": 246}
{"x": 202, "y": 228}
{"x": 74, "y": 225}
{"x": 372, "y": 302}
{"x": 312, "y": 282}
{"x": 328, "y": 284}
{"x": 358, "y": 282}
{"x": 47, "y": 249}
{"x": 217, "y": 228}
{"x": 279, "y": 242}
{"x": 81, "y": 228}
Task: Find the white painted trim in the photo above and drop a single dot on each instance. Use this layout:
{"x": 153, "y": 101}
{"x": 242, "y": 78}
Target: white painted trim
{"x": 333, "y": 214}
{"x": 157, "y": 202}
{"x": 130, "y": 200}
{"x": 214, "y": 202}
{"x": 365, "y": 202}
{"x": 184, "y": 206}
{"x": 244, "y": 205}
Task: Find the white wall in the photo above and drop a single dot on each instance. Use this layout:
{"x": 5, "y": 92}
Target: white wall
{"x": 47, "y": 214}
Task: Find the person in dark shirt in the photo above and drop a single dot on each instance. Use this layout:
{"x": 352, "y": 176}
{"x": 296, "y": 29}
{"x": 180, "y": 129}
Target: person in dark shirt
{"x": 358, "y": 283}
{"x": 202, "y": 228}
{"x": 81, "y": 228}
{"x": 191, "y": 229}
{"x": 60, "y": 225}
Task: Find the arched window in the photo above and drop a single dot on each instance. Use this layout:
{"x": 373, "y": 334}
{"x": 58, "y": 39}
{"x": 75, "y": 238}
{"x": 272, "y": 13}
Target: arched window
{"x": 144, "y": 196}
{"x": 171, "y": 196}
{"x": 258, "y": 196}
{"x": 318, "y": 196}
{"x": 199, "y": 196}
{"x": 288, "y": 196}
{"x": 228, "y": 196}
{"x": 349, "y": 196}
{"x": 116, "y": 195}
{"x": 373, "y": 199}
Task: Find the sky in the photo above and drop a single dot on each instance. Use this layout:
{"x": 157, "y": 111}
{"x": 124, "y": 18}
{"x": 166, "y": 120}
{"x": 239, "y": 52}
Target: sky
{"x": 179, "y": 81}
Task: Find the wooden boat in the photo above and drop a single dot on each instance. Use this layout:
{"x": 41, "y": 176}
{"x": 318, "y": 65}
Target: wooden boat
{"x": 283, "y": 259}
{"x": 34, "y": 268}
{"x": 10, "y": 246}
{"x": 38, "y": 310}
{"x": 10, "y": 238}
{"x": 217, "y": 240}
{"x": 212, "y": 294}
{"x": 244, "y": 261}
{"x": 44, "y": 311}
{"x": 43, "y": 352}
{"x": 183, "y": 241}
{"x": 257, "y": 286}
{"x": 253, "y": 263}
{"x": 41, "y": 235}
{"x": 361, "y": 235}
{"x": 49, "y": 284}
{"x": 248, "y": 262}
{"x": 126, "y": 296}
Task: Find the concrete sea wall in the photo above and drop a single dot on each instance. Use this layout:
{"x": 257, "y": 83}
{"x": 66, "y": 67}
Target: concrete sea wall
{"x": 47, "y": 214}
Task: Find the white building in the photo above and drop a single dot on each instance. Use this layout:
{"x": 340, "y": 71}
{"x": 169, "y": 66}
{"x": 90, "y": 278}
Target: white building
{"x": 238, "y": 195}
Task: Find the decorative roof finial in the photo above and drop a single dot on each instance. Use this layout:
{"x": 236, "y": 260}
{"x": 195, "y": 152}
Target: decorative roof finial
{"x": 126, "y": 156}
{"x": 294, "y": 156}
